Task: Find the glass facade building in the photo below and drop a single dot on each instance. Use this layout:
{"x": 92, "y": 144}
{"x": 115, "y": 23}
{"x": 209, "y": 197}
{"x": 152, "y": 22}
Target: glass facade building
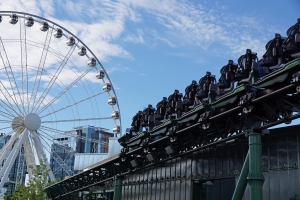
{"x": 62, "y": 161}
{"x": 19, "y": 164}
{"x": 92, "y": 139}
{"x": 84, "y": 139}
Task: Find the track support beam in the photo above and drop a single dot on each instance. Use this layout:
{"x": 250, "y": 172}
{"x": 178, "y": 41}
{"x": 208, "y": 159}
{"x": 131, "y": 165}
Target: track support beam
{"x": 252, "y": 170}
{"x": 118, "y": 188}
{"x": 242, "y": 182}
{"x": 255, "y": 177}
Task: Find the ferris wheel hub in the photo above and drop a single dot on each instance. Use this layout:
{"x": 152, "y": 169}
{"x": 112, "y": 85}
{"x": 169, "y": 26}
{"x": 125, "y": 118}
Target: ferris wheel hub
{"x": 32, "y": 122}
{"x": 17, "y": 124}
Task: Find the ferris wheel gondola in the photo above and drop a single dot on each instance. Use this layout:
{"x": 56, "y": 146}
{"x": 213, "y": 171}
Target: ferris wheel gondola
{"x": 47, "y": 90}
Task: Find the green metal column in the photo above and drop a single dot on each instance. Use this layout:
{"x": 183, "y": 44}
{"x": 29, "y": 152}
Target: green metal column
{"x": 242, "y": 182}
{"x": 118, "y": 188}
{"x": 255, "y": 176}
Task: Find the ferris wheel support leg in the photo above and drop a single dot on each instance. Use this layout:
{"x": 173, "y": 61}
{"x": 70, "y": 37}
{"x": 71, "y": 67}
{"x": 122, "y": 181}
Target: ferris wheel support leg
{"x": 6, "y": 149}
{"x": 30, "y": 161}
{"x": 4, "y": 172}
{"x": 41, "y": 154}
{"x": 20, "y": 168}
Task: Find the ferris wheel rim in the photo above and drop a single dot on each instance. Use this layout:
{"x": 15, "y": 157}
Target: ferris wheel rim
{"x": 33, "y": 123}
{"x": 9, "y": 13}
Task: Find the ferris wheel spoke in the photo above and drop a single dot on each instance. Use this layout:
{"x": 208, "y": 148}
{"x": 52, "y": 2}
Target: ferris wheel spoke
{"x": 73, "y": 104}
{"x": 40, "y": 152}
{"x": 5, "y": 121}
{"x": 5, "y": 150}
{"x": 10, "y": 76}
{"x": 69, "y": 134}
{"x": 54, "y": 78}
{"x": 74, "y": 120}
{"x": 65, "y": 90}
{"x": 6, "y": 95}
{"x": 51, "y": 129}
{"x": 5, "y": 170}
{"x": 7, "y": 147}
{"x": 6, "y": 115}
{"x": 24, "y": 63}
{"x": 29, "y": 157}
{"x": 51, "y": 138}
{"x": 5, "y": 106}
{"x": 57, "y": 158}
{"x": 40, "y": 67}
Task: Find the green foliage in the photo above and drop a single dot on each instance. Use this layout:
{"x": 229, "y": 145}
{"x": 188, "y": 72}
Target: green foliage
{"x": 35, "y": 188}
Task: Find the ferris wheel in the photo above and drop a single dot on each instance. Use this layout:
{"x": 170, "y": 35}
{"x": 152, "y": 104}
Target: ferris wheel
{"x": 51, "y": 83}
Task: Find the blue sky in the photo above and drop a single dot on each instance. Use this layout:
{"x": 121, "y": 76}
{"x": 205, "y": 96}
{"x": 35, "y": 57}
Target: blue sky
{"x": 150, "y": 48}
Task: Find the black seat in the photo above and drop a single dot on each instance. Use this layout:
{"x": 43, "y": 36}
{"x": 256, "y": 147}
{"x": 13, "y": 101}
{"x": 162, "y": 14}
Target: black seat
{"x": 204, "y": 86}
{"x": 189, "y": 97}
{"x": 292, "y": 44}
{"x": 161, "y": 108}
{"x": 273, "y": 55}
{"x": 136, "y": 123}
{"x": 174, "y": 103}
{"x": 227, "y": 79}
{"x": 147, "y": 116}
{"x": 247, "y": 63}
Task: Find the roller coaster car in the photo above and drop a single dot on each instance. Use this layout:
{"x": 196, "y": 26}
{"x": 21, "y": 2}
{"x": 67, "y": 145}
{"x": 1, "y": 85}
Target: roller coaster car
{"x": 162, "y": 128}
{"x": 189, "y": 97}
{"x": 192, "y": 116}
{"x": 205, "y": 85}
{"x": 140, "y": 120}
{"x": 289, "y": 69}
{"x": 292, "y": 44}
{"x": 160, "y": 112}
{"x": 227, "y": 79}
{"x": 168, "y": 108}
{"x": 136, "y": 141}
{"x": 174, "y": 105}
{"x": 135, "y": 128}
{"x": 288, "y": 73}
{"x": 126, "y": 137}
{"x": 136, "y": 121}
{"x": 273, "y": 56}
{"x": 226, "y": 96}
{"x": 161, "y": 122}
{"x": 148, "y": 117}
{"x": 247, "y": 64}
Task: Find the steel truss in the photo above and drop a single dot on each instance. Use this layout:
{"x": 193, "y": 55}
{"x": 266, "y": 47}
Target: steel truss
{"x": 257, "y": 111}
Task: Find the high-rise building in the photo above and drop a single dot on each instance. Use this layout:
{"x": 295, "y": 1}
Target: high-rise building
{"x": 62, "y": 160}
{"x": 83, "y": 139}
{"x": 92, "y": 139}
{"x": 18, "y": 170}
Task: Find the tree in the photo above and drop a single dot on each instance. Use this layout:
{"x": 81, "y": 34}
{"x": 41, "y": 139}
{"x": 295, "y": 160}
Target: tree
{"x": 35, "y": 188}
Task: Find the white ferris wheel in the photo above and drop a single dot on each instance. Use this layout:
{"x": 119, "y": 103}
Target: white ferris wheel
{"x": 50, "y": 83}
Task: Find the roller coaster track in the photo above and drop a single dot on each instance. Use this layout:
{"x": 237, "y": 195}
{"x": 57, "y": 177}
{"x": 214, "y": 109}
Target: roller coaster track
{"x": 269, "y": 107}
{"x": 225, "y": 113}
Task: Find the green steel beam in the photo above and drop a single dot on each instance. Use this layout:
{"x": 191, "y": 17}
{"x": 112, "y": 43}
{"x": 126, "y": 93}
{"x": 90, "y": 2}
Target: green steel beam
{"x": 242, "y": 182}
{"x": 118, "y": 188}
{"x": 255, "y": 176}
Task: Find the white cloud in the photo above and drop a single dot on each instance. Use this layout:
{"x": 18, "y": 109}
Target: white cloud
{"x": 138, "y": 38}
{"x": 103, "y": 26}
